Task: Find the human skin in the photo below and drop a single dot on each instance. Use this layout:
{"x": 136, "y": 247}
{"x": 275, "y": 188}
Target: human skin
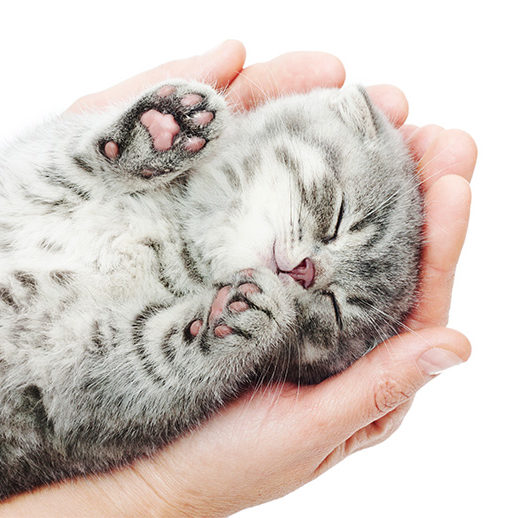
{"x": 277, "y": 438}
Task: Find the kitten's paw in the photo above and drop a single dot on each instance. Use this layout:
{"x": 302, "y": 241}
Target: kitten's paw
{"x": 165, "y": 130}
{"x": 254, "y": 307}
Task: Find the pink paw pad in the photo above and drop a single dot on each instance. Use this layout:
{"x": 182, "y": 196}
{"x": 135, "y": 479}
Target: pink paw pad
{"x": 219, "y": 303}
{"x": 217, "y": 308}
{"x": 223, "y": 330}
{"x": 196, "y": 327}
{"x": 248, "y": 288}
{"x": 191, "y": 100}
{"x": 111, "y": 149}
{"x": 194, "y": 144}
{"x": 238, "y": 306}
{"x": 162, "y": 128}
{"x": 202, "y": 118}
{"x": 166, "y": 91}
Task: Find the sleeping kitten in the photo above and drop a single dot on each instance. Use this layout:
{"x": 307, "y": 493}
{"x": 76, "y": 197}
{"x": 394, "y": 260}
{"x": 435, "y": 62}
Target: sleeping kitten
{"x": 156, "y": 260}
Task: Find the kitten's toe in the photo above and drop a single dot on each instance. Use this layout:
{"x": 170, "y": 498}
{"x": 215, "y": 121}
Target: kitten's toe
{"x": 111, "y": 149}
{"x": 230, "y": 300}
{"x": 178, "y": 120}
{"x": 223, "y": 330}
{"x": 246, "y": 309}
{"x": 165, "y": 130}
{"x": 219, "y": 304}
{"x": 238, "y": 306}
{"x": 195, "y": 327}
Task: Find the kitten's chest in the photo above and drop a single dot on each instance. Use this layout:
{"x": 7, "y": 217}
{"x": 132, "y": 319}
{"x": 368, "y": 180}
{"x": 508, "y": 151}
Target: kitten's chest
{"x": 230, "y": 217}
{"x": 121, "y": 245}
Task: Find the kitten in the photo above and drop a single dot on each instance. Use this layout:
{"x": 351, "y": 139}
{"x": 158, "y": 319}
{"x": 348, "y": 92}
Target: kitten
{"x": 156, "y": 260}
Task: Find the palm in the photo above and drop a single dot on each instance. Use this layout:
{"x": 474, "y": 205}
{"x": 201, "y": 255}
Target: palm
{"x": 298, "y": 432}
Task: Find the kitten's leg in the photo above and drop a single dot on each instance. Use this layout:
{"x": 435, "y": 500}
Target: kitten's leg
{"x": 131, "y": 385}
{"x": 165, "y": 131}
{"x": 255, "y": 310}
{"x": 184, "y": 359}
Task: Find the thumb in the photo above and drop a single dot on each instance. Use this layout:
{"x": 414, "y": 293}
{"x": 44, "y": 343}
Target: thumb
{"x": 383, "y": 380}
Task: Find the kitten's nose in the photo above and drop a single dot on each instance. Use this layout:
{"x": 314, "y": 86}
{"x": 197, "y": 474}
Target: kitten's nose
{"x": 304, "y": 273}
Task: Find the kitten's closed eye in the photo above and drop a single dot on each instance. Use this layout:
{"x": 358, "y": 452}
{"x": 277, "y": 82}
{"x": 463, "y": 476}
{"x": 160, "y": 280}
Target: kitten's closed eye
{"x": 336, "y": 227}
{"x": 236, "y": 283}
{"x": 336, "y": 308}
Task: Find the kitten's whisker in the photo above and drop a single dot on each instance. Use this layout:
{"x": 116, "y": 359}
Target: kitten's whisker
{"x": 274, "y": 83}
{"x": 438, "y": 172}
{"x": 282, "y": 384}
{"x": 422, "y": 166}
{"x": 401, "y": 325}
{"x": 400, "y": 193}
{"x": 255, "y": 99}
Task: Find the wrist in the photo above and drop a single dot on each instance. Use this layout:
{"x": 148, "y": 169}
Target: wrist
{"x": 119, "y": 495}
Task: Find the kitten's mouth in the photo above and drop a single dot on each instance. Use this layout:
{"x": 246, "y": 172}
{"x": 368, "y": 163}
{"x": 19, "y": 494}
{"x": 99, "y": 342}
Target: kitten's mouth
{"x": 303, "y": 273}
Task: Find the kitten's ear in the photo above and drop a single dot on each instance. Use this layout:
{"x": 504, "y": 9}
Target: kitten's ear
{"x": 356, "y": 108}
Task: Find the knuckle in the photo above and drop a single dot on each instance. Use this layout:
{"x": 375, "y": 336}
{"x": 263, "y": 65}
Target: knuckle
{"x": 389, "y": 393}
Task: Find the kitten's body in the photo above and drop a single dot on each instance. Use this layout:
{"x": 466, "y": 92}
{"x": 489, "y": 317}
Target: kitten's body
{"x": 117, "y": 284}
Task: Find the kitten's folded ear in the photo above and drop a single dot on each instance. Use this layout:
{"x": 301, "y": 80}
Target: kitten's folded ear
{"x": 357, "y": 110}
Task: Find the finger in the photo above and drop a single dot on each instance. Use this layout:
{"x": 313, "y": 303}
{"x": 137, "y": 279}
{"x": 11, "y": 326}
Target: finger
{"x": 447, "y": 205}
{"x": 217, "y": 67}
{"x": 380, "y": 382}
{"x": 451, "y": 152}
{"x": 392, "y": 102}
{"x": 368, "y": 436}
{"x": 421, "y": 140}
{"x": 407, "y": 131}
{"x": 296, "y": 72}
{"x": 379, "y": 430}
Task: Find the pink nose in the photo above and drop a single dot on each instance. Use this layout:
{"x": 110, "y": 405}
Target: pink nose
{"x": 304, "y": 273}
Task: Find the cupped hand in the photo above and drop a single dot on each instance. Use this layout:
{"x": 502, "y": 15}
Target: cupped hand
{"x": 276, "y": 438}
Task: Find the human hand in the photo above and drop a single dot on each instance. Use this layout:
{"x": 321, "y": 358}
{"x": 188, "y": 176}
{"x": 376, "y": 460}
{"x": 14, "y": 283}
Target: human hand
{"x": 273, "y": 440}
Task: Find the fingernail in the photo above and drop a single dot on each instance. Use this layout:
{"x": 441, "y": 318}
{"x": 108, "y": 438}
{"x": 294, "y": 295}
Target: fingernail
{"x": 436, "y": 360}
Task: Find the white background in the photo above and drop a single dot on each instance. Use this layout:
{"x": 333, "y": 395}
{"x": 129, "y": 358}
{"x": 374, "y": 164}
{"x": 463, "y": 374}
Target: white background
{"x": 455, "y": 454}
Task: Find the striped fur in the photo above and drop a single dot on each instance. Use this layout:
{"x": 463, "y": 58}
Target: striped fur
{"x": 103, "y": 270}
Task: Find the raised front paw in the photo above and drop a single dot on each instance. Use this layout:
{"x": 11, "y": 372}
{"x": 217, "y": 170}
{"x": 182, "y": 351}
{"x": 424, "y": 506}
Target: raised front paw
{"x": 165, "y": 130}
{"x": 254, "y": 308}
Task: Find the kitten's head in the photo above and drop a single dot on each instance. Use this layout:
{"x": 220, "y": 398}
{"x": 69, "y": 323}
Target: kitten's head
{"x": 347, "y": 234}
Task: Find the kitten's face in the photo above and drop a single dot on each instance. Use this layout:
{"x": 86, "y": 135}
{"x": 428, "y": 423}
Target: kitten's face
{"x": 346, "y": 235}
{"x": 324, "y": 194}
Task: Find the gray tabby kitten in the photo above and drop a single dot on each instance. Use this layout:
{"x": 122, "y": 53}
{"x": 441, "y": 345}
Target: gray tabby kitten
{"x": 157, "y": 259}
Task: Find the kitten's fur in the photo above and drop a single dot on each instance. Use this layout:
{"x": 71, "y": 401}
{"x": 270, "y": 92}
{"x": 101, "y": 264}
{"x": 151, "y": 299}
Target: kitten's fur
{"x": 107, "y": 258}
